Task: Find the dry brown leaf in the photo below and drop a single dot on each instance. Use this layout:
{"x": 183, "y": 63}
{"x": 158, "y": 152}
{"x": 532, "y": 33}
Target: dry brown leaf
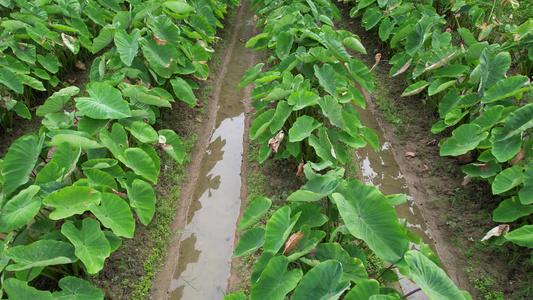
{"x": 378, "y": 58}
{"x": 433, "y": 142}
{"x": 80, "y": 65}
{"x": 72, "y": 80}
{"x": 300, "y": 172}
{"x": 425, "y": 168}
{"x": 414, "y": 91}
{"x": 437, "y": 64}
{"x": 292, "y": 242}
{"x": 465, "y": 180}
{"x": 403, "y": 69}
{"x": 465, "y": 158}
{"x": 496, "y": 231}
{"x": 410, "y": 154}
{"x": 275, "y": 141}
{"x": 199, "y": 120}
{"x": 519, "y": 156}
{"x": 203, "y": 46}
{"x": 158, "y": 40}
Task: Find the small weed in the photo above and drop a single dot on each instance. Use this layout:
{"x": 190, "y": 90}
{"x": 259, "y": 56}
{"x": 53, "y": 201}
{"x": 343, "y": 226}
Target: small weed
{"x": 469, "y": 253}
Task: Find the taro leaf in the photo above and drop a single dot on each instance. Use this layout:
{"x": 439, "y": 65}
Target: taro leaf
{"x": 507, "y": 179}
{"x": 261, "y": 123}
{"x": 140, "y": 162}
{"x": 278, "y": 228}
{"x": 90, "y": 125}
{"x": 450, "y": 71}
{"x": 517, "y": 122}
{"x": 127, "y": 45}
{"x": 526, "y": 193}
{"x": 11, "y": 80}
{"x": 20, "y": 209}
{"x": 155, "y": 96}
{"x": 430, "y": 278}
{"x": 172, "y": 144}
{"x": 100, "y": 178}
{"x": 483, "y": 170}
{"x": 20, "y": 161}
{"x": 396, "y": 199}
{"x": 448, "y": 102}
{"x": 92, "y": 247}
{"x": 327, "y": 78}
{"x": 505, "y": 88}
{"x": 105, "y": 102}
{"x": 73, "y": 288}
{"x": 415, "y": 88}
{"x": 161, "y": 57}
{"x": 141, "y": 131}
{"x": 303, "y": 128}
{"x": 49, "y": 62}
{"x": 261, "y": 264}
{"x": 463, "y": 139}
{"x": 369, "y": 216}
{"x": 492, "y": 68}
{"x": 522, "y": 236}
{"x": 275, "y": 281}
{"x": 142, "y": 200}
{"x": 284, "y": 44}
{"x": 116, "y": 140}
{"x": 510, "y": 210}
{"x": 283, "y": 111}
{"x": 250, "y": 75}
{"x": 506, "y": 149}
{"x": 490, "y": 117}
{"x": 66, "y": 158}
{"x": 178, "y": 7}
{"x": 40, "y": 254}
{"x": 239, "y": 296}
{"x": 302, "y": 98}
{"x": 363, "y": 290}
{"x": 115, "y": 213}
{"x": 370, "y": 137}
{"x": 183, "y": 91}
{"x": 254, "y": 212}
{"x": 70, "y": 201}
{"x": 311, "y": 214}
{"x": 332, "y": 110}
{"x": 322, "y": 282}
{"x": 352, "y": 268}
{"x": 315, "y": 189}
{"x": 75, "y": 141}
{"x": 361, "y": 74}
{"x": 20, "y": 290}
{"x": 57, "y": 101}
{"x": 354, "y": 44}
{"x": 103, "y": 39}
{"x": 250, "y": 241}
{"x": 439, "y": 85}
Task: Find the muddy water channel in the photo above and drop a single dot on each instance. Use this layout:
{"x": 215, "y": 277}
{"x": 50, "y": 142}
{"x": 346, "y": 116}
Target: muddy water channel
{"x": 381, "y": 170}
{"x": 206, "y": 246}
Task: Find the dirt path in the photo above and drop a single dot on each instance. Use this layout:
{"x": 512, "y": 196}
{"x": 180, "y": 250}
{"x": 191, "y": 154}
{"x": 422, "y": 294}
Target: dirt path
{"x": 197, "y": 170}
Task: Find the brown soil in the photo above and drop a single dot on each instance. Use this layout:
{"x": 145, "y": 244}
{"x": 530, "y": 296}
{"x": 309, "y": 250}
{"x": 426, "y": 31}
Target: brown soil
{"x": 457, "y": 215}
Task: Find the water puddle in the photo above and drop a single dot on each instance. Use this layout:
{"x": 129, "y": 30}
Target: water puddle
{"x": 206, "y": 246}
{"x": 381, "y": 170}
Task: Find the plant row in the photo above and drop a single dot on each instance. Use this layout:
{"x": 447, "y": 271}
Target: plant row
{"x": 317, "y": 247}
{"x": 476, "y": 86}
{"x": 72, "y": 191}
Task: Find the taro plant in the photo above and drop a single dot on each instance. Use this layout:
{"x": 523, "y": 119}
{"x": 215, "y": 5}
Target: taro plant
{"x": 309, "y": 93}
{"x": 317, "y": 247}
{"x": 482, "y": 99}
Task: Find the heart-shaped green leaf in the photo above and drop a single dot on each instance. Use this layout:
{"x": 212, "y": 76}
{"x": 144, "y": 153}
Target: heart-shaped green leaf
{"x": 254, "y": 212}
{"x": 322, "y": 282}
{"x": 73, "y": 288}
{"x": 70, "y": 201}
{"x": 116, "y": 214}
{"x": 250, "y": 241}
{"x": 105, "y": 102}
{"x": 40, "y": 254}
{"x": 20, "y": 209}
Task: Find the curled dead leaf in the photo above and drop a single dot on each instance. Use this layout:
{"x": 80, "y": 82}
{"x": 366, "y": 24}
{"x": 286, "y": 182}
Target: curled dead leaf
{"x": 433, "y": 142}
{"x": 519, "y": 156}
{"x": 410, "y": 154}
{"x": 496, "y": 231}
{"x": 403, "y": 69}
{"x": 425, "y": 168}
{"x": 465, "y": 158}
{"x": 465, "y": 180}
{"x": 199, "y": 120}
{"x": 275, "y": 141}
{"x": 377, "y": 58}
{"x": 72, "y": 80}
{"x": 292, "y": 242}
{"x": 300, "y": 172}
{"x": 80, "y": 65}
{"x": 204, "y": 46}
{"x": 439, "y": 63}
